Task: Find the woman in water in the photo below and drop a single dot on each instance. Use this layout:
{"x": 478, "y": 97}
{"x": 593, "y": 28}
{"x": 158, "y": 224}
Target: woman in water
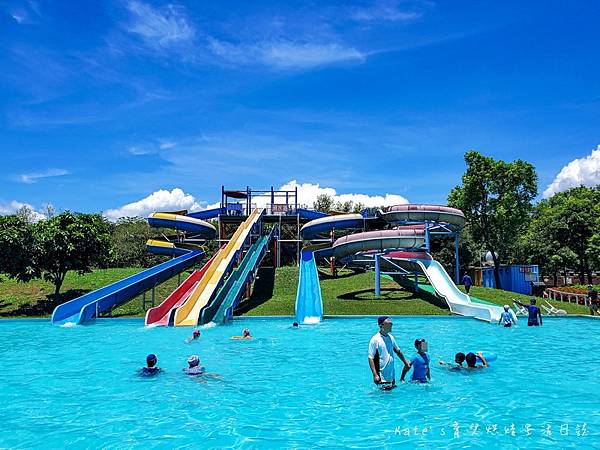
{"x": 245, "y": 335}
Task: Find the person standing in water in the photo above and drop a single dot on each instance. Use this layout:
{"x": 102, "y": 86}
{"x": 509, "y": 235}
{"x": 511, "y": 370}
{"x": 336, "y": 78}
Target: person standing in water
{"x": 506, "y": 318}
{"x": 150, "y": 370}
{"x": 534, "y": 313}
{"x": 382, "y": 347}
{"x": 419, "y": 364}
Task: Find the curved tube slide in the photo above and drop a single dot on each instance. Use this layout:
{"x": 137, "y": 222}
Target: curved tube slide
{"x": 324, "y": 224}
{"x": 182, "y": 222}
{"x": 421, "y": 213}
{"x": 188, "y": 314}
{"x": 377, "y": 240}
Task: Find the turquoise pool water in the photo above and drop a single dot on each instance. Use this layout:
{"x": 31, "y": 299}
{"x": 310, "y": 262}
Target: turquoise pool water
{"x": 296, "y": 388}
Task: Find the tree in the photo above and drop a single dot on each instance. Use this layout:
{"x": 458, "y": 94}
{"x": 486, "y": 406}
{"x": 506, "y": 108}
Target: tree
{"x": 572, "y": 219}
{"x": 324, "y": 203}
{"x": 496, "y": 198}
{"x": 128, "y": 244}
{"x": 70, "y": 241}
{"x": 539, "y": 243}
{"x": 19, "y": 253}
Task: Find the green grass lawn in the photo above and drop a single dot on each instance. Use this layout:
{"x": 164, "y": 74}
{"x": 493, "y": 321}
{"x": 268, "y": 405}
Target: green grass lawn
{"x": 274, "y": 294}
{"x": 34, "y": 299}
{"x": 346, "y": 295}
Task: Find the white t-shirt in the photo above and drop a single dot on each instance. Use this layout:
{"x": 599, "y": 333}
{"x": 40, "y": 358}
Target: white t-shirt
{"x": 383, "y": 346}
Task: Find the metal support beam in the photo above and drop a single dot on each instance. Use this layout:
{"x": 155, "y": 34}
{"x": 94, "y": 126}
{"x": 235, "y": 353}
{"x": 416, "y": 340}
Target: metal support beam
{"x": 153, "y": 295}
{"x": 427, "y": 244}
{"x": 377, "y": 277}
{"x": 456, "y": 255}
{"x": 416, "y": 282}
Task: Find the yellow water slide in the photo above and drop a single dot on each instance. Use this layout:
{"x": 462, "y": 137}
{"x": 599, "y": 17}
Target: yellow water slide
{"x": 188, "y": 313}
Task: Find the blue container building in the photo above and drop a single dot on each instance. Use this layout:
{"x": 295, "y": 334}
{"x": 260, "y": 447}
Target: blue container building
{"x": 515, "y": 278}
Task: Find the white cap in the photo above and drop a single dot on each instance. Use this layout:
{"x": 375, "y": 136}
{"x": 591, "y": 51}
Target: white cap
{"x": 506, "y": 307}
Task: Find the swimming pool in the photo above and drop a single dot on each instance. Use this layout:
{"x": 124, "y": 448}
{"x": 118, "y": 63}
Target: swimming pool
{"x": 295, "y": 388}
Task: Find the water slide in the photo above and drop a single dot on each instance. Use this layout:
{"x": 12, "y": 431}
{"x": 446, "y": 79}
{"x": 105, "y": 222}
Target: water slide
{"x": 160, "y": 315}
{"x": 309, "y": 303}
{"x": 405, "y": 236}
{"x": 188, "y": 314}
{"x": 92, "y": 304}
{"x": 442, "y": 284}
{"x": 221, "y": 308}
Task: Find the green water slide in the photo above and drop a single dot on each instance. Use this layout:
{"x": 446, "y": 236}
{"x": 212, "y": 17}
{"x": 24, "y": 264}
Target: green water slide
{"x": 221, "y": 308}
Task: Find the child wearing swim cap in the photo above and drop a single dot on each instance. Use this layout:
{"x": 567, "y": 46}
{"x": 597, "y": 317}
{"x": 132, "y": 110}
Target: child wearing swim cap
{"x": 194, "y": 368}
{"x": 151, "y": 369}
{"x": 195, "y": 335}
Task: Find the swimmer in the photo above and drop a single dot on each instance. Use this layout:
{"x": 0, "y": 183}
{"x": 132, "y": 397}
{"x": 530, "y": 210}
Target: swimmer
{"x": 506, "y": 318}
{"x": 459, "y": 359}
{"x": 471, "y": 359}
{"x": 534, "y": 313}
{"x": 195, "y": 335}
{"x": 150, "y": 369}
{"x": 245, "y": 335}
{"x": 295, "y": 326}
{"x": 194, "y": 368}
{"x": 419, "y": 364}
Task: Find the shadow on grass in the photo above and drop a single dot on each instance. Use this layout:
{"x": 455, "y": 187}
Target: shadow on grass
{"x": 263, "y": 291}
{"x": 327, "y": 276}
{"x": 367, "y": 295}
{"x": 45, "y": 306}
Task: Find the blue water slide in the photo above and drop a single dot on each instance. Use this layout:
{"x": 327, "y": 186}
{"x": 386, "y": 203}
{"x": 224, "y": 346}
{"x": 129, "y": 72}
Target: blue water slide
{"x": 92, "y": 304}
{"x": 310, "y": 214}
{"x": 309, "y": 304}
{"x": 207, "y": 213}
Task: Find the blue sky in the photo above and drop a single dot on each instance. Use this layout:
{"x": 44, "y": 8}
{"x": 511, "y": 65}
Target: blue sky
{"x": 107, "y": 103}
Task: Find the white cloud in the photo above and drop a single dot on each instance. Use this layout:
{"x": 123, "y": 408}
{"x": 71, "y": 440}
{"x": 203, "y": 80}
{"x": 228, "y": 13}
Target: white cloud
{"x": 162, "y": 200}
{"x": 582, "y": 171}
{"x": 14, "y": 206}
{"x": 285, "y": 54}
{"x": 30, "y": 178}
{"x": 165, "y": 145}
{"x": 383, "y": 10}
{"x": 160, "y": 28}
{"x": 308, "y": 193}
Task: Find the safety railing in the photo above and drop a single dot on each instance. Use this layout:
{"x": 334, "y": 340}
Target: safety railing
{"x": 568, "y": 297}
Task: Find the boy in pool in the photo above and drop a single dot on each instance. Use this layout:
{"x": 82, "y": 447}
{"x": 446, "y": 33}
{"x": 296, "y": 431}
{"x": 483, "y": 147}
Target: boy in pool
{"x": 471, "y": 359}
{"x": 195, "y": 335}
{"x": 459, "y": 359}
{"x": 506, "y": 318}
{"x": 245, "y": 335}
{"x": 419, "y": 364}
{"x": 150, "y": 369}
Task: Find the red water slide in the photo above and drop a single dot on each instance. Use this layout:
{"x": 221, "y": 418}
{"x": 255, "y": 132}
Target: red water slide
{"x": 159, "y": 315}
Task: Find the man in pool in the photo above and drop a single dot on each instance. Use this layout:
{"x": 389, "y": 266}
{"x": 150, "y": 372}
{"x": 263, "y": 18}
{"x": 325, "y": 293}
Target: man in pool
{"x": 534, "y": 313}
{"x": 150, "y": 370}
{"x": 195, "y": 335}
{"x": 382, "y": 347}
{"x": 245, "y": 335}
{"x": 419, "y": 364}
{"x": 506, "y": 318}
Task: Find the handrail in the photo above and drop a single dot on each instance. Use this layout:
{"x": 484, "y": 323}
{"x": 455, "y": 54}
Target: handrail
{"x": 558, "y": 295}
